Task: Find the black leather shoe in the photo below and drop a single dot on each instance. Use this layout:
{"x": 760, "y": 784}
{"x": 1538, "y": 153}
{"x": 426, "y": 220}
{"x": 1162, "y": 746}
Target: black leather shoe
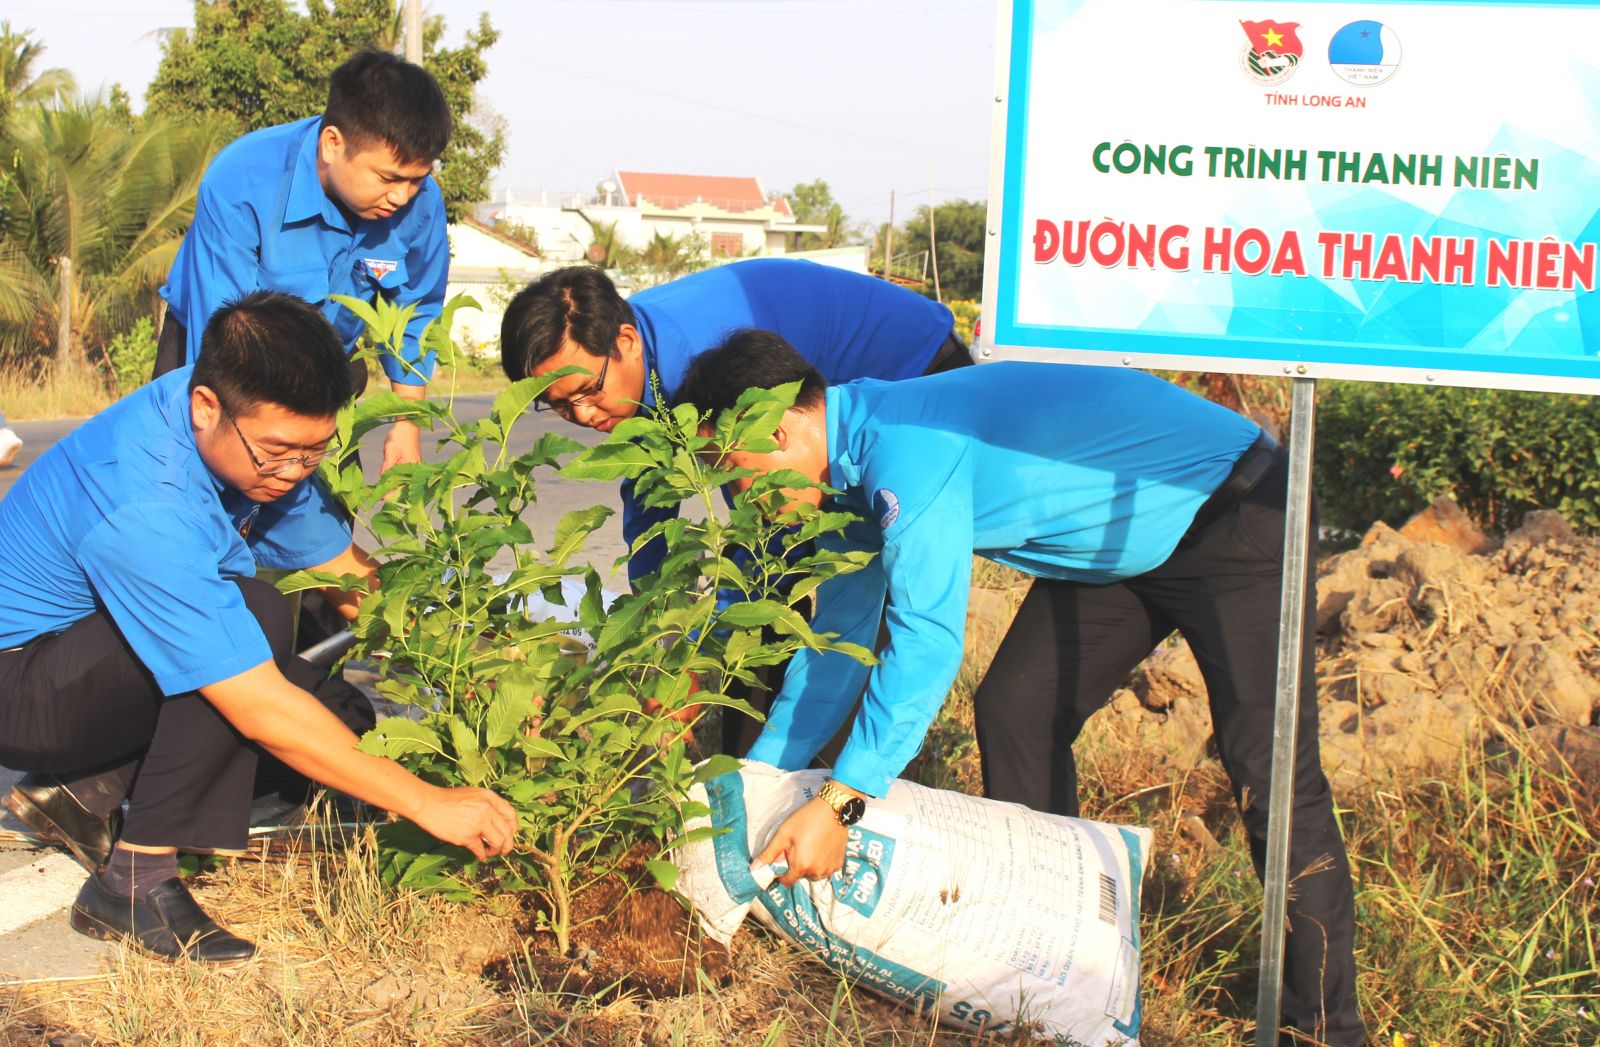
{"x": 168, "y": 923}
{"x": 47, "y": 806}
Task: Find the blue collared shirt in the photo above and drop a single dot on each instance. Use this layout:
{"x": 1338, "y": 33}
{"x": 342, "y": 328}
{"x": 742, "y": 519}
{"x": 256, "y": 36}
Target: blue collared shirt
{"x": 1088, "y": 474}
{"x": 847, "y": 325}
{"x": 262, "y": 220}
{"x": 123, "y": 515}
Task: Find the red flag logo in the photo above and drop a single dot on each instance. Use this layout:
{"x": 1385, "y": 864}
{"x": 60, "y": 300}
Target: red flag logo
{"x": 1274, "y": 50}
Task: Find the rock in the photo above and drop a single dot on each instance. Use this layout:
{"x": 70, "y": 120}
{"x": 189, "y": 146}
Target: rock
{"x": 1343, "y": 717}
{"x": 1171, "y": 673}
{"x": 1540, "y": 527}
{"x": 387, "y": 991}
{"x": 1559, "y": 689}
{"x": 1443, "y": 523}
{"x": 1568, "y": 750}
{"x": 1377, "y": 606}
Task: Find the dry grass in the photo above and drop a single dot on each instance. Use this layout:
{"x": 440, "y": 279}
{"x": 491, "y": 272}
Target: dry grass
{"x": 25, "y": 396}
{"x": 1479, "y": 924}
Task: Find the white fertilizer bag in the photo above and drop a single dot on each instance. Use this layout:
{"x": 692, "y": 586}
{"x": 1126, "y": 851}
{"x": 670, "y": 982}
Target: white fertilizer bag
{"x": 990, "y": 913}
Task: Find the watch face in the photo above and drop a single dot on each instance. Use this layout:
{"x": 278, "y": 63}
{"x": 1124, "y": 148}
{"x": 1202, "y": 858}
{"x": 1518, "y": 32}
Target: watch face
{"x": 852, "y": 810}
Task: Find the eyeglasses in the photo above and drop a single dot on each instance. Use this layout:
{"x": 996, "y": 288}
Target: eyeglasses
{"x": 566, "y": 407}
{"x": 274, "y": 466}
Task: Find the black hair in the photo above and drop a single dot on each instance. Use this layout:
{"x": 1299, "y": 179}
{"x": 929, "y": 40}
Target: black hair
{"x": 268, "y": 347}
{"x": 577, "y": 303}
{"x": 376, "y": 97}
{"x": 748, "y": 359}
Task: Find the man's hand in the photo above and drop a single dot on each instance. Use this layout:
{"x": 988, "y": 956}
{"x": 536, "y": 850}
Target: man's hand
{"x": 686, "y": 714}
{"x": 811, "y": 840}
{"x": 476, "y": 819}
{"x": 403, "y": 445}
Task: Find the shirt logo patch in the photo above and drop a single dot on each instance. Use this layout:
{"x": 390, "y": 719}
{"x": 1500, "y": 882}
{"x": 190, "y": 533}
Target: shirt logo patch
{"x": 887, "y": 506}
{"x": 380, "y": 267}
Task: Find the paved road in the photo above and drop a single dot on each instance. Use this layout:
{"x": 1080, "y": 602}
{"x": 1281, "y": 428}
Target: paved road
{"x": 557, "y": 496}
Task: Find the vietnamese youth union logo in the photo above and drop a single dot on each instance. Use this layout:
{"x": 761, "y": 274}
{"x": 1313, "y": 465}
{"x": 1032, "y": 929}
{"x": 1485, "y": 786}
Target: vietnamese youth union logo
{"x": 1364, "y": 53}
{"x": 379, "y": 267}
{"x": 1273, "y": 53}
{"x": 887, "y": 506}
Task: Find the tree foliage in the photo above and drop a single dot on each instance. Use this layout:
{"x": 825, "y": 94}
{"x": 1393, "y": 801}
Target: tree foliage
{"x": 958, "y": 231}
{"x": 579, "y": 737}
{"x": 813, "y": 204}
{"x": 79, "y": 181}
{"x": 261, "y": 62}
{"x": 20, "y": 85}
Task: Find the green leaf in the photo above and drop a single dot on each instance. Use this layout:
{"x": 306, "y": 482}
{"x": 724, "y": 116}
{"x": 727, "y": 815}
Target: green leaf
{"x": 396, "y": 736}
{"x": 665, "y": 873}
{"x": 574, "y": 528}
{"x": 609, "y": 461}
{"x": 716, "y": 767}
{"x": 509, "y": 709}
{"x": 514, "y": 399}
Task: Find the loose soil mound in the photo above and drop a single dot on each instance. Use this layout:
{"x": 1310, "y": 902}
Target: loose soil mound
{"x": 628, "y": 936}
{"x": 1426, "y": 644}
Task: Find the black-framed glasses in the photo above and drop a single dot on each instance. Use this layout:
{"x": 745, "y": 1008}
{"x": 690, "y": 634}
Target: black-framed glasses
{"x": 572, "y": 403}
{"x": 274, "y": 466}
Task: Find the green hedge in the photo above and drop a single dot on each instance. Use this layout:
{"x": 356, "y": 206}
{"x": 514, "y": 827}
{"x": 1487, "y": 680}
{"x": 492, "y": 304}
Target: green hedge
{"x": 1385, "y": 451}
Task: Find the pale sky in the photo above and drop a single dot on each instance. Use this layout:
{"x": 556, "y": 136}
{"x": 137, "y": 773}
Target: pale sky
{"x": 871, "y": 95}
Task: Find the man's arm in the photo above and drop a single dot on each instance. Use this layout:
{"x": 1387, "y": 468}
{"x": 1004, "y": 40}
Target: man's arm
{"x": 296, "y": 728}
{"x": 354, "y": 560}
{"x": 427, "y": 273}
{"x": 927, "y": 561}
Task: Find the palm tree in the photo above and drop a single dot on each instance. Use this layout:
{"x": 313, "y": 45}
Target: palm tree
{"x": 80, "y": 184}
{"x": 18, "y": 84}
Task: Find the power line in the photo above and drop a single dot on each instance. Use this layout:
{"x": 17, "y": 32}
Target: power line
{"x": 919, "y": 148}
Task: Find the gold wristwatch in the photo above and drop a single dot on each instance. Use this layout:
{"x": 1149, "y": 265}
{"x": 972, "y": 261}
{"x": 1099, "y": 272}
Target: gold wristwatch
{"x": 847, "y": 806}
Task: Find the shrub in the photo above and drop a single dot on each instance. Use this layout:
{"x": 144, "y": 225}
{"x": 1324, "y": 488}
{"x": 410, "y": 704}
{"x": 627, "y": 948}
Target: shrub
{"x": 132, "y": 355}
{"x": 506, "y": 699}
{"x": 1384, "y": 452}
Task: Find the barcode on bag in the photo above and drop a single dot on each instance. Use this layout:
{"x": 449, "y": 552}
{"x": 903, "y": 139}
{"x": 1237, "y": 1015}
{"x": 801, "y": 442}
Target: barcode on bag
{"x": 1108, "y": 899}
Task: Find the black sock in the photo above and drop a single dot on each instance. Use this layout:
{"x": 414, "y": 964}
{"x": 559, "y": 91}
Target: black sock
{"x": 135, "y": 875}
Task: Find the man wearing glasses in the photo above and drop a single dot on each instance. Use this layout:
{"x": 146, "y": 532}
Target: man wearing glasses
{"x": 142, "y": 661}
{"x": 846, "y": 324}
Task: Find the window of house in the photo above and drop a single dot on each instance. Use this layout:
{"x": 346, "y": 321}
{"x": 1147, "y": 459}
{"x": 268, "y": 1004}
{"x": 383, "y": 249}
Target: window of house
{"x": 727, "y": 245}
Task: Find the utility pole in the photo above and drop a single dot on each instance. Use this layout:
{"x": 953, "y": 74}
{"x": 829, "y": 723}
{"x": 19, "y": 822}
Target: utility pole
{"x": 888, "y": 237}
{"x": 933, "y": 239}
{"x": 66, "y": 356}
{"x": 414, "y": 31}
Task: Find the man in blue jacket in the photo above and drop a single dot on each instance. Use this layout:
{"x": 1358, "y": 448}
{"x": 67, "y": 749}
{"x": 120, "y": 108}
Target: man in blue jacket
{"x": 846, "y": 324}
{"x": 338, "y": 204}
{"x": 141, "y": 660}
{"x": 1139, "y": 508}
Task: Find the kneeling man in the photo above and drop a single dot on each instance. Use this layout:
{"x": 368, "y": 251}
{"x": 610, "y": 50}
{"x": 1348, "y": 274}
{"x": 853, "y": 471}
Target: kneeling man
{"x": 136, "y": 645}
{"x": 1139, "y": 509}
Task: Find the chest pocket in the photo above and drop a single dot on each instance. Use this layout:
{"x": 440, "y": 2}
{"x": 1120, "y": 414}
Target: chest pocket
{"x": 310, "y": 284}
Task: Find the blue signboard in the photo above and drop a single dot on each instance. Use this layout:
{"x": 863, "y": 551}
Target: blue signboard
{"x": 1397, "y": 191}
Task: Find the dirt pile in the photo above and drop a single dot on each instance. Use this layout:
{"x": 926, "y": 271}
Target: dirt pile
{"x": 1429, "y": 639}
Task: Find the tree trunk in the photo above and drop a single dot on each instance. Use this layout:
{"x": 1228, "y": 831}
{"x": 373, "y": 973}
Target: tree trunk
{"x": 67, "y": 360}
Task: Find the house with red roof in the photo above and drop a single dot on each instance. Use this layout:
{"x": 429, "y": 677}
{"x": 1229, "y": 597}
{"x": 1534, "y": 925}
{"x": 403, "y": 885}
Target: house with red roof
{"x": 722, "y": 217}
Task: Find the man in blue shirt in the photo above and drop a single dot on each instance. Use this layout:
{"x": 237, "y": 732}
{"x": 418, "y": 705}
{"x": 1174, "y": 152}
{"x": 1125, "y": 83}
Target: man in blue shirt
{"x": 338, "y": 204}
{"x": 1139, "y": 508}
{"x": 137, "y": 647}
{"x": 846, "y": 324}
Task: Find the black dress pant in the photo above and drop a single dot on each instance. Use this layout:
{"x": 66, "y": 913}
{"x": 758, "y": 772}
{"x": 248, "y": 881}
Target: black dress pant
{"x": 80, "y": 705}
{"x": 1072, "y": 645}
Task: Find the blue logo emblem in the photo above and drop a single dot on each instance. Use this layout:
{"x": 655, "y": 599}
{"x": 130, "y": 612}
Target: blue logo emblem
{"x": 1364, "y": 53}
{"x": 887, "y": 506}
